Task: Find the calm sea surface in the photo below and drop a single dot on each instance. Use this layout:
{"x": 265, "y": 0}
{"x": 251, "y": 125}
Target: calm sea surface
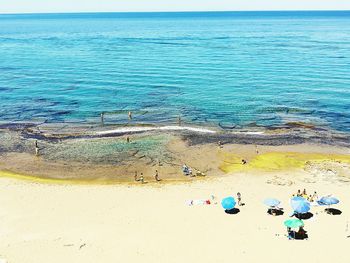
{"x": 228, "y": 69}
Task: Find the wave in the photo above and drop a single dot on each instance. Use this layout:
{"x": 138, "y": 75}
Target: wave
{"x": 160, "y": 128}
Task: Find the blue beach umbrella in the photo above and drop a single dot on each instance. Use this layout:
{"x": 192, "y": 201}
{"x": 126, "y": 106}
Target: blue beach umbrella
{"x": 328, "y": 200}
{"x": 271, "y": 202}
{"x": 300, "y": 205}
{"x": 228, "y": 203}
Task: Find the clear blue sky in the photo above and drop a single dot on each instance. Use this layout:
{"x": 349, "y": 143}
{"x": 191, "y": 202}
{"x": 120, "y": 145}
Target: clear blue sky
{"x": 40, "y": 6}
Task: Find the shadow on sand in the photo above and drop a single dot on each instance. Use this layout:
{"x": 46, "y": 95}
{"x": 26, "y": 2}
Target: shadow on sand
{"x": 275, "y": 212}
{"x": 232, "y": 211}
{"x": 301, "y": 235}
{"x": 333, "y": 211}
{"x": 305, "y": 216}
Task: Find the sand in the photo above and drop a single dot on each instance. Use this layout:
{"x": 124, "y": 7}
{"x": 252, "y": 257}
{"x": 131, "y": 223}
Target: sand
{"x": 47, "y": 222}
{"x": 77, "y": 201}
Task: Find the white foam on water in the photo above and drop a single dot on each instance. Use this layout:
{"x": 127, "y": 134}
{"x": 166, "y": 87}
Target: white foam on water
{"x": 250, "y": 133}
{"x": 162, "y": 128}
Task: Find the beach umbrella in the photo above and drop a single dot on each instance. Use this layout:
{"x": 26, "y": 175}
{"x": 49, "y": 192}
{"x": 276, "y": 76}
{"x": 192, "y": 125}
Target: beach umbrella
{"x": 228, "y": 203}
{"x": 293, "y": 223}
{"x": 271, "y": 202}
{"x": 328, "y": 200}
{"x": 300, "y": 205}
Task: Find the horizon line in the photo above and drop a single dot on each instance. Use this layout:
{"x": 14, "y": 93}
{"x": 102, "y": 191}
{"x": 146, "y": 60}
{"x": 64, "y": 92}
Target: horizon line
{"x": 183, "y": 11}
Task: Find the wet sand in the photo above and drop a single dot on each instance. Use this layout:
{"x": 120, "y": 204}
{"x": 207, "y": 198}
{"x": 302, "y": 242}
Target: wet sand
{"x": 99, "y": 159}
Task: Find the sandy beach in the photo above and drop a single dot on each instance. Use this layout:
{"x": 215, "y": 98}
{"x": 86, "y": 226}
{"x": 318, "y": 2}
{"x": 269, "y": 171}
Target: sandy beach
{"x": 140, "y": 223}
{"x": 125, "y": 126}
{"x": 78, "y": 201}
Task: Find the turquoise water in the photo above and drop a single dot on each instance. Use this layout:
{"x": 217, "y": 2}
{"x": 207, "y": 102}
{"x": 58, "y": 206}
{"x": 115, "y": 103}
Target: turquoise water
{"x": 231, "y": 69}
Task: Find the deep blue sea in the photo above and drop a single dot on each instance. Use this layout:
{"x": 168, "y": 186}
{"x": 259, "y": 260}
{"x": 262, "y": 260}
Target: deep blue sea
{"x": 233, "y": 69}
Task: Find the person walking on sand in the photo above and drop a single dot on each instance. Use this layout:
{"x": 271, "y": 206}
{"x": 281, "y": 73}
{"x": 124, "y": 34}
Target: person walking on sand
{"x": 130, "y": 115}
{"x": 141, "y": 178}
{"x": 157, "y": 176}
{"x": 239, "y": 198}
{"x": 256, "y": 149}
{"x": 36, "y": 148}
{"x": 135, "y": 177}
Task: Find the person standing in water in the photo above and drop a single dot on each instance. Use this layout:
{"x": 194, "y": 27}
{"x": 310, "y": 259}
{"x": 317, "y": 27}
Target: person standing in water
{"x": 179, "y": 120}
{"x": 130, "y": 115}
{"x": 102, "y": 118}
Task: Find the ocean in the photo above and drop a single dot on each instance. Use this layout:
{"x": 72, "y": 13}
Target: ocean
{"x": 221, "y": 69}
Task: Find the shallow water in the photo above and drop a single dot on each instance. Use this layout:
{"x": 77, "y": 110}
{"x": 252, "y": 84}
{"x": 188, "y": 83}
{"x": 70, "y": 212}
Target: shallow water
{"x": 227, "y": 69}
{"x": 108, "y": 150}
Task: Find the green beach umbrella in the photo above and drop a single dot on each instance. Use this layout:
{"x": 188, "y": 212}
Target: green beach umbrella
{"x": 293, "y": 223}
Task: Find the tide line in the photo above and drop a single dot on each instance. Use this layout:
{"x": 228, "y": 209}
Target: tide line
{"x": 162, "y": 128}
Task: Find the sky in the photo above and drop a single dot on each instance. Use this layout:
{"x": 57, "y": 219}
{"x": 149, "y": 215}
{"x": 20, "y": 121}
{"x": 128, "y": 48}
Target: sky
{"x": 58, "y": 6}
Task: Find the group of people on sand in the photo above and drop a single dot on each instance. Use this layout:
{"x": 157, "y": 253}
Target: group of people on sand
{"x": 310, "y": 198}
{"x": 187, "y": 171}
{"x": 142, "y": 179}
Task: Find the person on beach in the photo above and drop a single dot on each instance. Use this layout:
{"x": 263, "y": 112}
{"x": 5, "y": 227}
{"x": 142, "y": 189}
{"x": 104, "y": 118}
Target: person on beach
{"x": 135, "y": 177}
{"x": 310, "y": 199}
{"x": 141, "y": 178}
{"x": 239, "y": 198}
{"x": 299, "y": 193}
{"x": 244, "y": 161}
{"x": 220, "y": 144}
{"x": 130, "y": 115}
{"x": 36, "y": 148}
{"x": 256, "y": 149}
{"x": 127, "y": 139}
{"x": 37, "y": 151}
{"x": 157, "y": 176}
{"x": 186, "y": 170}
{"x": 304, "y": 195}
{"x": 315, "y": 196}
{"x": 290, "y": 233}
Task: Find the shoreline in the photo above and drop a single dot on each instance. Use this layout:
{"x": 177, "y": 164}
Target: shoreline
{"x": 112, "y": 154}
{"x": 112, "y": 160}
{"x": 289, "y": 133}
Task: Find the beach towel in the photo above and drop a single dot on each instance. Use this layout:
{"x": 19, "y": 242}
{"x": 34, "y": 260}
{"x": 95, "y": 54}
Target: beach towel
{"x": 198, "y": 202}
